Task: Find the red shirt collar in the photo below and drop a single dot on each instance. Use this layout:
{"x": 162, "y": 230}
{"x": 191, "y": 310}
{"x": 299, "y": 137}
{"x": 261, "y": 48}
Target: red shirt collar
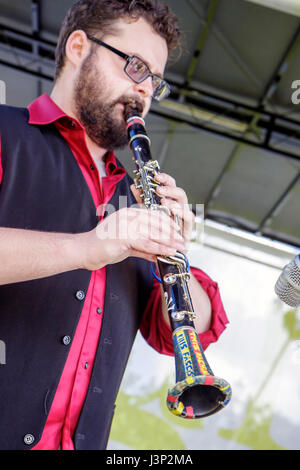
{"x": 44, "y": 111}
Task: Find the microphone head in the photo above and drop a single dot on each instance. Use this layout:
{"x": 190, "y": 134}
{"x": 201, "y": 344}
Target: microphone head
{"x": 287, "y": 286}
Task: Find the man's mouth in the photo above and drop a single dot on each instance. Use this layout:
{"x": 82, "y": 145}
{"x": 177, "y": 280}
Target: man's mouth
{"x": 134, "y": 103}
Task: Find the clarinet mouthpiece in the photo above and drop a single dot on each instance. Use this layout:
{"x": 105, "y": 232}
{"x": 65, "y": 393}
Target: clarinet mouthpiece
{"x": 132, "y": 108}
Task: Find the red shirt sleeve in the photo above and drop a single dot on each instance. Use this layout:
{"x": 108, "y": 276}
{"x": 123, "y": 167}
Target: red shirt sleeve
{"x": 157, "y": 332}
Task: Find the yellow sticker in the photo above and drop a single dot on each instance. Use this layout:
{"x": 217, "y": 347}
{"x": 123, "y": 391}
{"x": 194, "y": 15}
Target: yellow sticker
{"x": 199, "y": 357}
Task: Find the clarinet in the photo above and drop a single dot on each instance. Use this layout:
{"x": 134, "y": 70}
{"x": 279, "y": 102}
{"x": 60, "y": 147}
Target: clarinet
{"x": 197, "y": 392}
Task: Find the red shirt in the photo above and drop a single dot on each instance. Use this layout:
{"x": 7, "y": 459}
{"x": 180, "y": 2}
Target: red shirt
{"x": 70, "y": 394}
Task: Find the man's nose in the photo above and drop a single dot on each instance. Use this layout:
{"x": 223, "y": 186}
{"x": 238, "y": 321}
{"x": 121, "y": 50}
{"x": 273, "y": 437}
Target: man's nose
{"x": 145, "y": 88}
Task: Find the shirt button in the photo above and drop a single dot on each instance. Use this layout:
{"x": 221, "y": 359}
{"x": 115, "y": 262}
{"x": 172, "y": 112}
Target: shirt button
{"x": 99, "y": 310}
{"x": 66, "y": 340}
{"x": 28, "y": 439}
{"x": 80, "y": 295}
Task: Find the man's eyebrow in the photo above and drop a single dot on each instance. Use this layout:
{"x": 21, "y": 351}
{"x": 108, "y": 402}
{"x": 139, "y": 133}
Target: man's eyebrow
{"x": 147, "y": 63}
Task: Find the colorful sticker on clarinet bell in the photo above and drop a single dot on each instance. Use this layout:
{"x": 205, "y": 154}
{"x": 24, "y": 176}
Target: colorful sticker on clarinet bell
{"x": 179, "y": 408}
{"x": 197, "y": 352}
{"x": 185, "y": 354}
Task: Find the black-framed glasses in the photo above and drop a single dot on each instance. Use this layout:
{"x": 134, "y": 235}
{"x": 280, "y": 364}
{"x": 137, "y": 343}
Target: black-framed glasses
{"x": 138, "y": 71}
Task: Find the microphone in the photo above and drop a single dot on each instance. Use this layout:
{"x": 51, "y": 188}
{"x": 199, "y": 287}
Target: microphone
{"x": 287, "y": 286}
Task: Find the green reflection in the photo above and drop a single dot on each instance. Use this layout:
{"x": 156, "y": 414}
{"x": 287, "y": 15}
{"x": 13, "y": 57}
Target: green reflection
{"x": 254, "y": 431}
{"x": 140, "y": 429}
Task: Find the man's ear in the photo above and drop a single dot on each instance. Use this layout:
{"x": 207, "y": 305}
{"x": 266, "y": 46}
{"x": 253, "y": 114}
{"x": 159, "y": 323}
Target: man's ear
{"x": 77, "y": 47}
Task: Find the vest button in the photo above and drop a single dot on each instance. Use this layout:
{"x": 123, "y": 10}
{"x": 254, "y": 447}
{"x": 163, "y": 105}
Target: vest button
{"x": 99, "y": 310}
{"x": 66, "y": 340}
{"x": 80, "y": 295}
{"x": 28, "y": 439}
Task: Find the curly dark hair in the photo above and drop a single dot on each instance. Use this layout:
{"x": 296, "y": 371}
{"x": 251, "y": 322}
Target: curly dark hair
{"x": 96, "y": 17}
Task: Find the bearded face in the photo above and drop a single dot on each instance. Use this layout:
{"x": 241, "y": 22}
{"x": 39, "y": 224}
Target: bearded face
{"x": 102, "y": 117}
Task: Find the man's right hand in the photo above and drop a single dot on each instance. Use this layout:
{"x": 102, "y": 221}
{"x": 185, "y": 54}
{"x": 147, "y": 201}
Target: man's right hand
{"x": 27, "y": 254}
{"x": 138, "y": 232}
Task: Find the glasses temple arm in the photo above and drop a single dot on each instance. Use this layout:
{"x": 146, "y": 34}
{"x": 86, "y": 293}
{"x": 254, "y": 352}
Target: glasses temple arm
{"x": 111, "y": 48}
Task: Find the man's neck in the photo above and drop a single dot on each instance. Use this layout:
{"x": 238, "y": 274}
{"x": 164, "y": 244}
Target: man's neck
{"x": 63, "y": 101}
{"x": 97, "y": 152}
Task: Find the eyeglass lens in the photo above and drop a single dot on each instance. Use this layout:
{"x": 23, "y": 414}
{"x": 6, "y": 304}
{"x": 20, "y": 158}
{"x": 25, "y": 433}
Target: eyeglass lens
{"x": 139, "y": 71}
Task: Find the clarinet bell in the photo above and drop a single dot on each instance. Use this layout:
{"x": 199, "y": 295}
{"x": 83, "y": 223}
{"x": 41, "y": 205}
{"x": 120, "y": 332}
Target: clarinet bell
{"x": 197, "y": 392}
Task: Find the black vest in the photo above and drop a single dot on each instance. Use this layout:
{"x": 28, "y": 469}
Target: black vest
{"x": 43, "y": 189}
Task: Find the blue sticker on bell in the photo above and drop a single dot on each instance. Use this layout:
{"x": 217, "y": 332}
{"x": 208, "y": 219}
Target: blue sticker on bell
{"x": 185, "y": 353}
{"x": 181, "y": 340}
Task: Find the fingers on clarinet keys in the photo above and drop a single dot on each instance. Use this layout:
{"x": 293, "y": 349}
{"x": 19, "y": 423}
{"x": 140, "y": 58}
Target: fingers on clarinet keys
{"x": 172, "y": 251}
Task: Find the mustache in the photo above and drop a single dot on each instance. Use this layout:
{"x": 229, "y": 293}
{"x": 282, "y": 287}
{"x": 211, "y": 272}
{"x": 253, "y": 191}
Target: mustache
{"x": 129, "y": 99}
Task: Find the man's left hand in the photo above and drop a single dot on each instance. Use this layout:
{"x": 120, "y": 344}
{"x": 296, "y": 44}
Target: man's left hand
{"x": 175, "y": 199}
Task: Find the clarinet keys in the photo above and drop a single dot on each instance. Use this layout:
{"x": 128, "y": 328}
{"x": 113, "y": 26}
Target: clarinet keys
{"x": 171, "y": 278}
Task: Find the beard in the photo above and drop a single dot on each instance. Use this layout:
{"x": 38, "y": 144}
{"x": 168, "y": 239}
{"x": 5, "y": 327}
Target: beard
{"x": 102, "y": 119}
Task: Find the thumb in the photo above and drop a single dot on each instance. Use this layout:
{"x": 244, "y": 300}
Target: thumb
{"x": 136, "y": 193}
